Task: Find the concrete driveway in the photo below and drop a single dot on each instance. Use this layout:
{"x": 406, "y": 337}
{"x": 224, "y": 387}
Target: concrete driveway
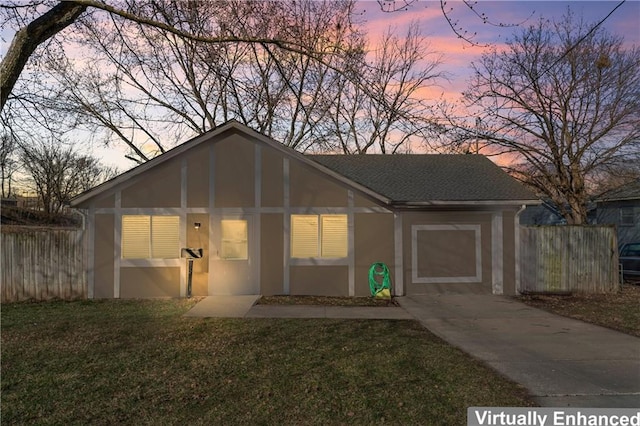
{"x": 563, "y": 362}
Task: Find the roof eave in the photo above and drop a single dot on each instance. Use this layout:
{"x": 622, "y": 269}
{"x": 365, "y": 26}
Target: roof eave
{"x": 463, "y": 203}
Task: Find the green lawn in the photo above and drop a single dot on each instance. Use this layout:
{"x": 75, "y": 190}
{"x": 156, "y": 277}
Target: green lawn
{"x": 141, "y": 362}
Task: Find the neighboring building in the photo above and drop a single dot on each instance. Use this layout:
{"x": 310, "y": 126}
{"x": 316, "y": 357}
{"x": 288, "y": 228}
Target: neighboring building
{"x": 273, "y": 221}
{"x": 542, "y": 214}
{"x": 621, "y": 207}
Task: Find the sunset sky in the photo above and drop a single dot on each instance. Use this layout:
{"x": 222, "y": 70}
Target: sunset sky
{"x": 458, "y": 54}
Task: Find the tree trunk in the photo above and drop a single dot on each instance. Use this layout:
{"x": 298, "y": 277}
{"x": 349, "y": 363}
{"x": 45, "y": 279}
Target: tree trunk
{"x": 28, "y": 38}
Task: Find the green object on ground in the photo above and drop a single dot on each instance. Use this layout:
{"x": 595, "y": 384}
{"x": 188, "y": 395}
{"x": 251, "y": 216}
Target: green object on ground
{"x": 381, "y": 290}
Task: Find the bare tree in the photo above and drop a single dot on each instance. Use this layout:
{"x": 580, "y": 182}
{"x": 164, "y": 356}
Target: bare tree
{"x": 57, "y": 173}
{"x": 8, "y": 163}
{"x": 62, "y": 14}
{"x": 563, "y": 102}
{"x": 150, "y": 88}
{"x": 387, "y": 111}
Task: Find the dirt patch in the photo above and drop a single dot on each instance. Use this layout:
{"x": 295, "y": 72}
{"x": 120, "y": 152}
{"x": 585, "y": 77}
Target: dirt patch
{"x": 325, "y": 301}
{"x": 619, "y": 311}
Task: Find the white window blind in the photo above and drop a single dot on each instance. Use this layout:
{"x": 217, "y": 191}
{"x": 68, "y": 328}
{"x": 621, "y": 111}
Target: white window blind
{"x": 136, "y": 237}
{"x": 234, "y": 244}
{"x": 145, "y": 237}
{"x": 319, "y": 236}
{"x": 304, "y": 236}
{"x": 165, "y": 237}
{"x": 334, "y": 235}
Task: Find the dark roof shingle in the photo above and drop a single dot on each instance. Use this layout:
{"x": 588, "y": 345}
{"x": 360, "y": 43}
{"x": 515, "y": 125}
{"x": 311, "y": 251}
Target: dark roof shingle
{"x": 410, "y": 178}
{"x": 628, "y": 191}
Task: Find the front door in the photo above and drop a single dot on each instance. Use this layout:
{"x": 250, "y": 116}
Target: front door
{"x": 233, "y": 269}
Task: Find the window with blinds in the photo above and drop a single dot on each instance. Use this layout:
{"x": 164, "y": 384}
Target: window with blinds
{"x": 150, "y": 237}
{"x": 323, "y": 236}
{"x": 234, "y": 244}
{"x": 165, "y": 237}
{"x": 334, "y": 235}
{"x": 304, "y": 236}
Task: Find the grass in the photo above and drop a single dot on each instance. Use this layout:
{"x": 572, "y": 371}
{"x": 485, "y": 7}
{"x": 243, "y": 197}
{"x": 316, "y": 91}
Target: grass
{"x": 142, "y": 362}
{"x": 619, "y": 311}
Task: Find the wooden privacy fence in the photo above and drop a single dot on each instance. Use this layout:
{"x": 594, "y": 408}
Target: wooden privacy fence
{"x": 42, "y": 264}
{"x": 568, "y": 259}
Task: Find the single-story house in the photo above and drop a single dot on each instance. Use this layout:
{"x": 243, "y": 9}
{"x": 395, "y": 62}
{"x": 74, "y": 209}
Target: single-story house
{"x": 273, "y": 221}
{"x": 621, "y": 207}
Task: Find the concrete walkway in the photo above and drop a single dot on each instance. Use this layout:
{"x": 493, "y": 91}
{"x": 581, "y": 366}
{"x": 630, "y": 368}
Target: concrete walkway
{"x": 563, "y": 362}
{"x": 223, "y": 306}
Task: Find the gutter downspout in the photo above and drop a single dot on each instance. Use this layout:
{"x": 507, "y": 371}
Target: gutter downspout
{"x": 516, "y": 225}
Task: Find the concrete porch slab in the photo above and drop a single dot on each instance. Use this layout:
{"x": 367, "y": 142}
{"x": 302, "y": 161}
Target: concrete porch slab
{"x": 223, "y": 307}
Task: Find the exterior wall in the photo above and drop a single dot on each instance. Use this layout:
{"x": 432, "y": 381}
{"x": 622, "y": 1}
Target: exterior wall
{"x": 271, "y": 254}
{"x": 103, "y": 257}
{"x": 234, "y": 177}
{"x": 374, "y": 242}
{"x": 148, "y": 282}
{"x": 233, "y": 169}
{"x": 106, "y": 202}
{"x": 445, "y": 262}
{"x": 362, "y": 201}
{"x": 310, "y": 189}
{"x": 197, "y": 175}
{"x": 610, "y": 214}
{"x": 320, "y": 280}
{"x": 159, "y": 187}
{"x": 272, "y": 173}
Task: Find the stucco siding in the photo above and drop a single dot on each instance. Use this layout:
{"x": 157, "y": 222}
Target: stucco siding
{"x": 146, "y": 282}
{"x": 105, "y": 202}
{"x": 362, "y": 201}
{"x": 158, "y": 187}
{"x": 104, "y": 253}
{"x": 374, "y": 242}
{"x": 234, "y": 171}
{"x": 319, "y": 280}
{"x": 198, "y": 178}
{"x": 310, "y": 189}
{"x": 447, "y": 252}
{"x": 271, "y": 254}
{"x": 272, "y": 178}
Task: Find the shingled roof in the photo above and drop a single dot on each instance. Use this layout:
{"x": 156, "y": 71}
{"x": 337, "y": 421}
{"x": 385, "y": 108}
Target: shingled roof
{"x": 629, "y": 191}
{"x": 408, "y": 178}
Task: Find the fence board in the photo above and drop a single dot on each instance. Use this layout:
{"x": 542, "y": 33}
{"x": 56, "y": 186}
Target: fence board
{"x": 42, "y": 264}
{"x": 568, "y": 259}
